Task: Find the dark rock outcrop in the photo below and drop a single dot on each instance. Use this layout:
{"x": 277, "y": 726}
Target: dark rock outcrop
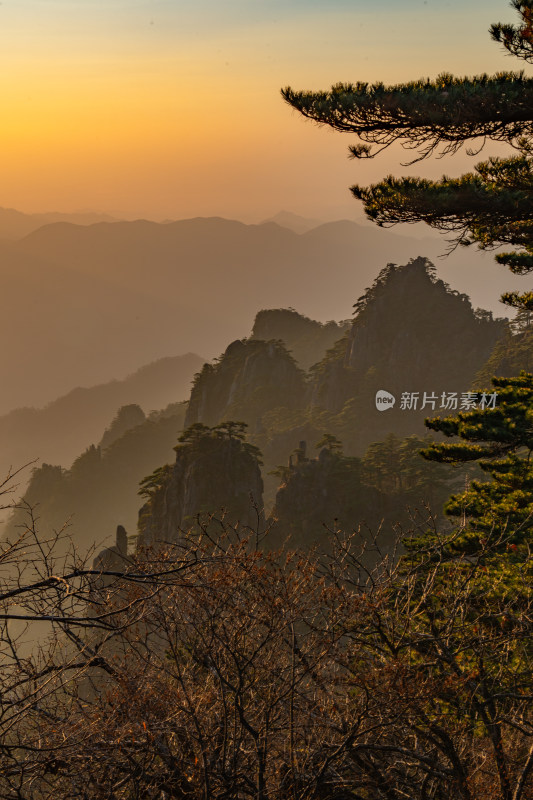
{"x": 111, "y": 559}
{"x": 213, "y": 473}
{"x": 321, "y": 493}
{"x": 250, "y": 378}
{"x": 305, "y": 338}
{"x": 411, "y": 334}
{"x": 114, "y": 558}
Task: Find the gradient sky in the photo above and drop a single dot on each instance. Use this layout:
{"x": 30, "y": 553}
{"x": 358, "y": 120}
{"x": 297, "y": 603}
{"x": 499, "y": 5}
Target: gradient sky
{"x": 171, "y": 108}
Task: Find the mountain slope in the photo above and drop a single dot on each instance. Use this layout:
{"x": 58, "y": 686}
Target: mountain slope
{"x": 413, "y": 337}
{"x": 82, "y": 304}
{"x": 58, "y": 432}
{"x": 99, "y": 491}
{"x": 412, "y": 333}
{"x": 15, "y": 224}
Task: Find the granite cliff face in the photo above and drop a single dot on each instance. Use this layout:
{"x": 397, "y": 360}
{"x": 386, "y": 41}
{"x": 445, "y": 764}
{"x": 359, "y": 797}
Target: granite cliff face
{"x": 306, "y": 339}
{"x": 411, "y": 334}
{"x": 250, "y": 378}
{"x": 214, "y": 470}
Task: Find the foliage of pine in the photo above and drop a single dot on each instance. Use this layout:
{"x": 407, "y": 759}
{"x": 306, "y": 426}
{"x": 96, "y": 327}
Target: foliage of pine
{"x": 500, "y": 439}
{"x": 490, "y": 206}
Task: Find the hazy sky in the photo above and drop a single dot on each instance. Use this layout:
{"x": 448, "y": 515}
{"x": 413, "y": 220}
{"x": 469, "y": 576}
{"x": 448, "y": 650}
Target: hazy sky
{"x": 171, "y": 108}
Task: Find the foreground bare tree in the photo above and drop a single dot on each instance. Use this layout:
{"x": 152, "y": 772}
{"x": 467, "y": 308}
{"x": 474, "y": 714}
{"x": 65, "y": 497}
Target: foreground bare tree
{"x": 444, "y": 659}
{"x": 213, "y": 669}
{"x": 220, "y": 671}
{"x": 57, "y": 616}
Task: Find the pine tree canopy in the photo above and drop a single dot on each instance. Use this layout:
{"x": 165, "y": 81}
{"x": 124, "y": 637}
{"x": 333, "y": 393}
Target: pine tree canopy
{"x": 490, "y": 206}
{"x": 517, "y": 39}
{"x": 424, "y": 115}
{"x": 494, "y": 205}
{"x": 501, "y": 439}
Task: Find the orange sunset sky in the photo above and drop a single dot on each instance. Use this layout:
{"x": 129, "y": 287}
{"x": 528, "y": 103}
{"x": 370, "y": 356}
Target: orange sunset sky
{"x": 171, "y": 108}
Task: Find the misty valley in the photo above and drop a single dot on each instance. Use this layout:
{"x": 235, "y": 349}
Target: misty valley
{"x": 304, "y": 392}
{"x": 265, "y": 574}
{"x": 266, "y": 462}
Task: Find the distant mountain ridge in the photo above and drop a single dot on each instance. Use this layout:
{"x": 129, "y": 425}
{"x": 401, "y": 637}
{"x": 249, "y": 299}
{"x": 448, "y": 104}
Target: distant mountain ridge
{"x": 85, "y": 303}
{"x": 58, "y": 432}
{"x": 411, "y": 333}
{"x": 16, "y": 224}
{"x": 294, "y": 222}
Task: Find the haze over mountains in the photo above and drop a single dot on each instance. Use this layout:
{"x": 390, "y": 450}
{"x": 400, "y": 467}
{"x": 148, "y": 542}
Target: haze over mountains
{"x": 294, "y": 222}
{"x": 61, "y": 430}
{"x": 83, "y": 304}
{"x": 15, "y": 224}
{"x": 412, "y": 333}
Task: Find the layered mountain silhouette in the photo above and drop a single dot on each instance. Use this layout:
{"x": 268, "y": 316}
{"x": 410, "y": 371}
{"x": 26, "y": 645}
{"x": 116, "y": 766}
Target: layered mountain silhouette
{"x": 411, "y": 333}
{"x": 15, "y": 224}
{"x": 294, "y": 222}
{"x": 82, "y": 304}
{"x": 58, "y": 432}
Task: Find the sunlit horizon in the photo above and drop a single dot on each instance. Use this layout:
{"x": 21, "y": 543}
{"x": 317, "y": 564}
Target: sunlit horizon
{"x": 172, "y": 110}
